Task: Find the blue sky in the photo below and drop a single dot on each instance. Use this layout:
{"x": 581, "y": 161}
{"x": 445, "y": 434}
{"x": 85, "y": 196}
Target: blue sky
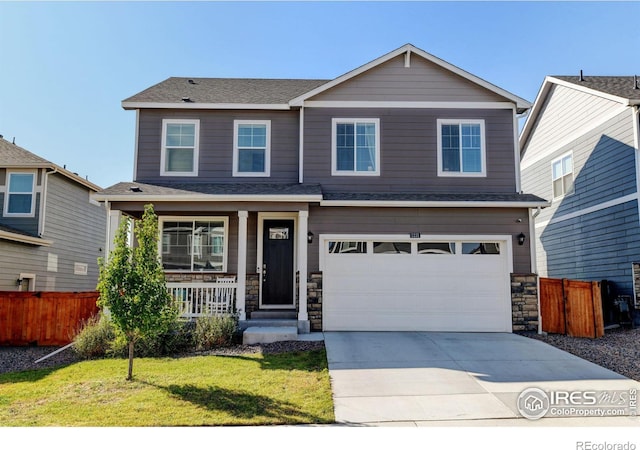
{"x": 66, "y": 66}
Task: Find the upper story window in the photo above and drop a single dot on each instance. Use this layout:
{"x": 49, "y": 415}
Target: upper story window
{"x": 19, "y": 199}
{"x": 355, "y": 147}
{"x": 179, "y": 156}
{"x": 461, "y": 148}
{"x": 251, "y": 148}
{"x": 194, "y": 244}
{"x": 562, "y": 173}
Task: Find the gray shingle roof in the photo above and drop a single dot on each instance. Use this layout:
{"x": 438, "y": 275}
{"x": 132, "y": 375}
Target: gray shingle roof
{"x": 16, "y": 156}
{"x": 230, "y": 189}
{"x": 225, "y": 90}
{"x": 15, "y": 231}
{"x": 435, "y": 197}
{"x": 620, "y": 86}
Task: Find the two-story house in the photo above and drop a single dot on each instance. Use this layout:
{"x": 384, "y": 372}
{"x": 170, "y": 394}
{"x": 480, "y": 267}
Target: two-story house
{"x": 579, "y": 147}
{"x": 387, "y": 198}
{"x": 52, "y": 231}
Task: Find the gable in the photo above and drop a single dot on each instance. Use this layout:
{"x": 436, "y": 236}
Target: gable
{"x": 422, "y": 81}
{"x": 564, "y": 114}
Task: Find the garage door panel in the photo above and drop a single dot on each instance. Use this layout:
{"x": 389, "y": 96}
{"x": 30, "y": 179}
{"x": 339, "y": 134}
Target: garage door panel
{"x": 416, "y": 292}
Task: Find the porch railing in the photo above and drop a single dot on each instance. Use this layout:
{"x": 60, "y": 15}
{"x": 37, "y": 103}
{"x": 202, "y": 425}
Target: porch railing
{"x": 204, "y": 299}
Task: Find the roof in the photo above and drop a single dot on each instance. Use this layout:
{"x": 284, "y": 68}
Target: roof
{"x": 132, "y": 191}
{"x": 617, "y": 88}
{"x": 222, "y": 91}
{"x": 12, "y": 234}
{"x": 13, "y": 156}
{"x": 255, "y": 93}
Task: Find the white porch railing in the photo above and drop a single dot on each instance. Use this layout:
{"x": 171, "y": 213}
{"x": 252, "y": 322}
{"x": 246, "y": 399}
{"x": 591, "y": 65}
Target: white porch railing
{"x": 204, "y": 299}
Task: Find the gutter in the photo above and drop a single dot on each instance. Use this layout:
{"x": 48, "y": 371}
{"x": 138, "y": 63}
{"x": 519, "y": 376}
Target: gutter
{"x": 24, "y": 239}
{"x": 432, "y": 204}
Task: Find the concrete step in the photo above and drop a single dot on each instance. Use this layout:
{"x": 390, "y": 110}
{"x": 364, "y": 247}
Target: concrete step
{"x": 266, "y": 335}
{"x": 270, "y": 323}
{"x": 274, "y": 315}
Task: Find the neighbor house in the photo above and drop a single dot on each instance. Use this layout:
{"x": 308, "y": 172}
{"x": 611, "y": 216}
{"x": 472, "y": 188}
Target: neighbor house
{"x": 579, "y": 148}
{"x": 52, "y": 231}
{"x": 387, "y": 198}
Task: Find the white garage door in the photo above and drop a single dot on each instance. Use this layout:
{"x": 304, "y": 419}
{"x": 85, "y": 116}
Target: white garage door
{"x": 427, "y": 284}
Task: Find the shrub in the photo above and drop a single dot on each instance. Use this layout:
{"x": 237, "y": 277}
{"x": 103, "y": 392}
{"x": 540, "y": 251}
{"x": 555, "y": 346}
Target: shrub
{"x": 215, "y": 331}
{"x": 177, "y": 339}
{"x": 95, "y": 337}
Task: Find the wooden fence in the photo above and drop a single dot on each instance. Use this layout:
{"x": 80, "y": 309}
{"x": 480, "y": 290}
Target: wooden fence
{"x": 571, "y": 307}
{"x": 43, "y": 318}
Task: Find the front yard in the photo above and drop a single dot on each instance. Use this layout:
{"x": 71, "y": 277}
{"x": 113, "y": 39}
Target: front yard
{"x": 249, "y": 389}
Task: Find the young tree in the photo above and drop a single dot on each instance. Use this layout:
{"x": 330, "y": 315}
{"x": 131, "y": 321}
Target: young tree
{"x": 132, "y": 285}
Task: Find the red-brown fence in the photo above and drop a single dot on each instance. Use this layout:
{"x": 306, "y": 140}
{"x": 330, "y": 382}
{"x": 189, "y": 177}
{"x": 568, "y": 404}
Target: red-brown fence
{"x": 571, "y": 307}
{"x": 43, "y": 318}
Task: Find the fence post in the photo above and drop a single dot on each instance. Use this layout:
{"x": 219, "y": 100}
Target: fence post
{"x": 598, "y": 318}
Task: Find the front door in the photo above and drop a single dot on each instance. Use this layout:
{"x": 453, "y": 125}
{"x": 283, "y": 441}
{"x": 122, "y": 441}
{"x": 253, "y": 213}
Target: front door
{"x": 277, "y": 263}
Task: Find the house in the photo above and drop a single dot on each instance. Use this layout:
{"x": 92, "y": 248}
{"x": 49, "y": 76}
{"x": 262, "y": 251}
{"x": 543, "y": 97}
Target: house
{"x": 387, "y": 198}
{"x": 52, "y": 231}
{"x": 579, "y": 147}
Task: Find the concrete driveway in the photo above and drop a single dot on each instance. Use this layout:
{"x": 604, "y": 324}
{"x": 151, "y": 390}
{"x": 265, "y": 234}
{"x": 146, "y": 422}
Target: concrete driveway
{"x": 425, "y": 379}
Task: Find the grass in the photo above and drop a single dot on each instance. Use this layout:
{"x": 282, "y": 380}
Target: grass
{"x": 255, "y": 389}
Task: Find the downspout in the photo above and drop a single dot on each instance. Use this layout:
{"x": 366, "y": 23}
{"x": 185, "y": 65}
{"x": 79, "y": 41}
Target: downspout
{"x": 43, "y": 207}
{"x": 516, "y": 145}
{"x": 534, "y": 263}
{"x": 635, "y": 117}
{"x": 301, "y": 148}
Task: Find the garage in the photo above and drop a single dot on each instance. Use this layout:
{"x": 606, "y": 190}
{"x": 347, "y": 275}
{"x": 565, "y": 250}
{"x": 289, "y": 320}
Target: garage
{"x": 429, "y": 283}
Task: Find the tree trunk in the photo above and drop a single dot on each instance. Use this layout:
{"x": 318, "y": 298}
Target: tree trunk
{"x": 130, "y": 376}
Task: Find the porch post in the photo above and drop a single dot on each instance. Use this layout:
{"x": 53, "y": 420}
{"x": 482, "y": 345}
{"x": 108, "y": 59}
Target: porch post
{"x": 303, "y": 228}
{"x": 242, "y": 264}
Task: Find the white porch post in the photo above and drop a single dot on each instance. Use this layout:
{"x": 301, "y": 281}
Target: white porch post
{"x": 242, "y": 264}
{"x": 303, "y": 228}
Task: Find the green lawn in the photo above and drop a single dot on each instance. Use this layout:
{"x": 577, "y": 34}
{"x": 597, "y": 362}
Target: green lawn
{"x": 254, "y": 389}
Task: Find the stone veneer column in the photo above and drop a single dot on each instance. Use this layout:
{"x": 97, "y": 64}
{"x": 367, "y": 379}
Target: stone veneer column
{"x": 242, "y": 264}
{"x": 303, "y": 228}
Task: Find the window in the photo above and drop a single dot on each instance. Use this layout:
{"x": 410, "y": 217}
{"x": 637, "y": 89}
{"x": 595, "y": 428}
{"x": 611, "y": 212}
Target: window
{"x": 436, "y": 248}
{"x": 562, "y": 170}
{"x": 392, "y": 247}
{"x": 480, "y": 248}
{"x": 461, "y": 149}
{"x": 355, "y": 147}
{"x": 179, "y": 156}
{"x": 196, "y": 245}
{"x": 20, "y": 195}
{"x": 251, "y": 148}
{"x": 347, "y": 247}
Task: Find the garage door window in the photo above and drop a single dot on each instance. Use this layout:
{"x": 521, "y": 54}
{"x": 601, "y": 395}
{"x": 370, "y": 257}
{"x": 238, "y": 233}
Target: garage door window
{"x": 480, "y": 248}
{"x": 436, "y": 248}
{"x": 347, "y": 247}
{"x": 392, "y": 247}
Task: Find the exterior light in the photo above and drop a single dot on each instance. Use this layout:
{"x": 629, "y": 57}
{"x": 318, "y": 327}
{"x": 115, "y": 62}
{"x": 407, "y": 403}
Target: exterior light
{"x": 521, "y": 239}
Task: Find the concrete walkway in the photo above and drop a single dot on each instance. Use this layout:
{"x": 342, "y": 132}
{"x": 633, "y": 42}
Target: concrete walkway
{"x": 460, "y": 379}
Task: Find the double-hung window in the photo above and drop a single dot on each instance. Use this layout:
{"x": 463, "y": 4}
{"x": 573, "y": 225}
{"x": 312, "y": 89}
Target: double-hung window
{"x": 562, "y": 172}
{"x": 194, "y": 244}
{"x": 461, "y": 148}
{"x": 20, "y": 194}
{"x": 179, "y": 155}
{"x": 251, "y": 148}
{"x": 355, "y": 147}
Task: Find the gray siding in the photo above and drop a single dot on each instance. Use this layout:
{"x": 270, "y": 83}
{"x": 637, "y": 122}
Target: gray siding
{"x": 565, "y": 112}
{"x": 216, "y": 145}
{"x": 596, "y": 246}
{"x": 408, "y": 151}
{"x": 331, "y": 220}
{"x": 77, "y": 229}
{"x": 423, "y": 81}
{"x": 603, "y": 169}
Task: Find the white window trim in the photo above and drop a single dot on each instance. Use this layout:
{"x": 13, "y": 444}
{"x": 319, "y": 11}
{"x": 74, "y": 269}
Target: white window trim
{"x": 267, "y": 151}
{"x": 555, "y": 160}
{"x": 483, "y": 153}
{"x": 7, "y": 194}
{"x": 334, "y": 149}
{"x": 224, "y": 219}
{"x": 196, "y": 148}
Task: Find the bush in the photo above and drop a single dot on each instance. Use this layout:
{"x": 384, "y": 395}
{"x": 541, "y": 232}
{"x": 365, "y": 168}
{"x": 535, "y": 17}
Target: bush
{"x": 215, "y": 331}
{"x": 95, "y": 337}
{"x": 177, "y": 339}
